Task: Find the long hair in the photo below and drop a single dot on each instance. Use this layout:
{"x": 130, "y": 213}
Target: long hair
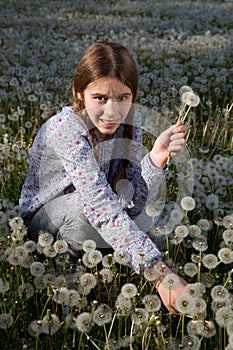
{"x": 107, "y": 60}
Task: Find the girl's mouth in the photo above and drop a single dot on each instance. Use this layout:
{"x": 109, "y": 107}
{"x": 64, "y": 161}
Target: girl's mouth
{"x": 109, "y": 123}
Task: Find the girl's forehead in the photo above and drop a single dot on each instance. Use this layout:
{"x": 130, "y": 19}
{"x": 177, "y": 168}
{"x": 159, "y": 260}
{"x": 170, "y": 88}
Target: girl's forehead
{"x": 108, "y": 85}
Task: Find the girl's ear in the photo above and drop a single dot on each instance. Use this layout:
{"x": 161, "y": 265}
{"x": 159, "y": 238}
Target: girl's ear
{"x": 79, "y": 95}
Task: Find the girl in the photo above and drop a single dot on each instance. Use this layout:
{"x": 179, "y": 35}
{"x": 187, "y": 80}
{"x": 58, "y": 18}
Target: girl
{"x": 86, "y": 179}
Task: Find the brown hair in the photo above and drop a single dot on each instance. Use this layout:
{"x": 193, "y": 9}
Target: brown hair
{"x": 104, "y": 60}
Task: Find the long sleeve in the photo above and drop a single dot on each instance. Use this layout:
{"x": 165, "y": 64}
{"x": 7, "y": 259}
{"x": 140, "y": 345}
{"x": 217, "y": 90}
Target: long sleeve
{"x": 63, "y": 155}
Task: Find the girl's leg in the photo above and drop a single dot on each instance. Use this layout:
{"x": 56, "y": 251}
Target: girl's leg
{"x": 63, "y": 217}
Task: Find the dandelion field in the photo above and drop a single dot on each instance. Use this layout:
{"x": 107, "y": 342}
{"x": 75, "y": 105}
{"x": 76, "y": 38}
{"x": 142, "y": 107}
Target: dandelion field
{"x": 46, "y": 301}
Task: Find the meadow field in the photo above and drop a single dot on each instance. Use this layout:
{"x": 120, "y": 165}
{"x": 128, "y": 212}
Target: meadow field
{"x": 47, "y": 303}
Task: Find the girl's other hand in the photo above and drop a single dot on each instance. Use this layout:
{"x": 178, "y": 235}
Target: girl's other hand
{"x": 170, "y": 141}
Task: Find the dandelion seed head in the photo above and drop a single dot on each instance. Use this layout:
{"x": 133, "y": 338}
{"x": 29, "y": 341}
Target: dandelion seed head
{"x": 37, "y": 268}
{"x": 185, "y": 88}
{"x": 95, "y": 257}
{"x": 123, "y": 305}
{"x": 88, "y": 245}
{"x": 223, "y": 316}
{"x": 195, "y": 289}
{"x": 200, "y": 243}
{"x": 199, "y": 307}
{"x": 30, "y": 246}
{"x": 70, "y": 321}
{"x": 225, "y": 255}
{"x": 206, "y": 328}
{"x": 185, "y": 303}
{"x": 6, "y": 321}
{"x": 121, "y": 258}
{"x": 26, "y": 291}
{"x": 228, "y": 236}
{"x": 35, "y": 328}
{"x": 107, "y": 275}
{"x": 227, "y": 221}
{"x": 203, "y": 224}
{"x": 219, "y": 293}
{"x": 129, "y": 290}
{"x": 139, "y": 316}
{"x": 171, "y": 281}
{"x": 190, "y": 99}
{"x": 151, "y": 302}
{"x": 190, "y": 269}
{"x": 207, "y": 279}
{"x": 84, "y": 322}
{"x": 88, "y": 280}
{"x": 50, "y": 252}
{"x": 181, "y": 231}
{"x": 188, "y": 203}
{"x": 210, "y": 261}
{"x": 45, "y": 239}
{"x": 192, "y": 342}
{"x": 102, "y": 315}
{"x": 212, "y": 202}
{"x": 50, "y": 326}
{"x": 108, "y": 261}
{"x": 60, "y": 246}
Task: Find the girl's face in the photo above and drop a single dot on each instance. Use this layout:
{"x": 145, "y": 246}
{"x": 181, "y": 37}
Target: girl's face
{"x": 107, "y": 102}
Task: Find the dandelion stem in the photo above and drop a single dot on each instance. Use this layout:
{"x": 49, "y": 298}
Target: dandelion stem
{"x": 184, "y": 117}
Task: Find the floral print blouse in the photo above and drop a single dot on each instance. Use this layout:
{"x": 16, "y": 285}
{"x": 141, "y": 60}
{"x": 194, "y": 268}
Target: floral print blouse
{"x": 63, "y": 156}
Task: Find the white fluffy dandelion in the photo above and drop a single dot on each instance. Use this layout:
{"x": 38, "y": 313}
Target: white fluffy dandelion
{"x": 185, "y": 303}
{"x": 219, "y": 293}
{"x": 190, "y": 99}
{"x": 84, "y": 322}
{"x": 6, "y": 321}
{"x": 227, "y": 221}
{"x": 95, "y": 257}
{"x": 210, "y": 261}
{"x": 121, "y": 258}
{"x": 181, "y": 231}
{"x": 139, "y": 316}
{"x": 203, "y": 224}
{"x": 4, "y": 286}
{"x": 102, "y": 315}
{"x": 228, "y": 236}
{"x": 190, "y": 269}
{"x": 224, "y": 316}
{"x": 50, "y": 324}
{"x": 123, "y": 305}
{"x": 225, "y": 255}
{"x": 194, "y": 231}
{"x": 45, "y": 239}
{"x": 129, "y": 290}
{"x": 212, "y": 202}
{"x": 88, "y": 245}
{"x": 26, "y": 291}
{"x": 200, "y": 243}
{"x": 196, "y": 290}
{"x": 60, "y": 246}
{"x": 151, "y": 302}
{"x": 107, "y": 275}
{"x": 171, "y": 281}
{"x": 192, "y": 342}
{"x": 37, "y": 268}
{"x": 88, "y": 280}
{"x": 188, "y": 203}
{"x": 30, "y": 246}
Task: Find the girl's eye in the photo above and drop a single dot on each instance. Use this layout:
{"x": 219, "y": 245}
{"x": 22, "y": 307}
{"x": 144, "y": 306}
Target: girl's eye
{"x": 100, "y": 98}
{"x": 122, "y": 98}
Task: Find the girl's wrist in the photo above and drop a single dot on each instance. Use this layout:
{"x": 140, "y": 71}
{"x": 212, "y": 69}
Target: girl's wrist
{"x": 156, "y": 162}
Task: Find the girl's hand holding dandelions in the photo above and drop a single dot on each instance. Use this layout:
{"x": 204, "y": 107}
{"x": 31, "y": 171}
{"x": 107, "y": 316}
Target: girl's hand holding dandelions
{"x": 170, "y": 142}
{"x": 169, "y": 286}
